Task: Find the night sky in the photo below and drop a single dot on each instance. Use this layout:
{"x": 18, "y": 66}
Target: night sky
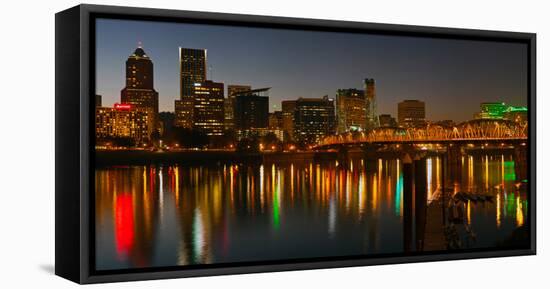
{"x": 451, "y": 76}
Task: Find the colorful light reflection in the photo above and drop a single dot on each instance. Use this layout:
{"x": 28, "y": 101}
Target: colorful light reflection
{"x": 124, "y": 224}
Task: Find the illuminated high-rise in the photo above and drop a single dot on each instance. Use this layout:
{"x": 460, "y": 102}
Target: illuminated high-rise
{"x": 288, "y": 108}
{"x": 370, "y": 104}
{"x": 252, "y": 110}
{"x": 351, "y": 110}
{"x": 208, "y": 115}
{"x": 139, "y": 91}
{"x": 192, "y": 69}
{"x": 192, "y": 63}
{"x": 229, "y": 103}
{"x": 411, "y": 113}
{"x": 313, "y": 119}
{"x": 121, "y": 121}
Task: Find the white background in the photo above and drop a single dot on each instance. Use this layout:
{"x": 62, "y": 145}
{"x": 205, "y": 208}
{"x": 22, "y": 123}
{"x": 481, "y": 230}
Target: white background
{"x": 27, "y": 143}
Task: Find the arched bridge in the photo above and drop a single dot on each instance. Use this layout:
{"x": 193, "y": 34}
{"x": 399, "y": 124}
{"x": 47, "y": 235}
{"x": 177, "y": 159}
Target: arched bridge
{"x": 470, "y": 131}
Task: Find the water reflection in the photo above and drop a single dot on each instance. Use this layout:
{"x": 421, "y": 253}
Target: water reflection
{"x": 181, "y": 215}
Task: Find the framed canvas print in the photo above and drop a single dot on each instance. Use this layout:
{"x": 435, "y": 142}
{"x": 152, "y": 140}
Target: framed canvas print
{"x": 192, "y": 144}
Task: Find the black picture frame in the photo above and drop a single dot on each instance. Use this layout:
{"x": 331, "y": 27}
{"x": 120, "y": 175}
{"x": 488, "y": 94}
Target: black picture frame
{"x": 74, "y": 74}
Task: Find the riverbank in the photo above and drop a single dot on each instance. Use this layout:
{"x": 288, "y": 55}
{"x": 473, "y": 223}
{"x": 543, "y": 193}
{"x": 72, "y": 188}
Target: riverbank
{"x": 142, "y": 157}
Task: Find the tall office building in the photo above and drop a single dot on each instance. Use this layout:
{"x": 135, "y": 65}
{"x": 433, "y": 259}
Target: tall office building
{"x": 351, "y": 110}
{"x": 228, "y": 118}
{"x": 411, "y": 113}
{"x": 313, "y": 119}
{"x": 370, "y": 101}
{"x": 208, "y": 115}
{"x": 252, "y": 109}
{"x": 192, "y": 70}
{"x": 288, "y": 108}
{"x": 229, "y": 103}
{"x": 139, "y": 91}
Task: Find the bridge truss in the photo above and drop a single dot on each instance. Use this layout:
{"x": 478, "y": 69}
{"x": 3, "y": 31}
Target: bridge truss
{"x": 474, "y": 130}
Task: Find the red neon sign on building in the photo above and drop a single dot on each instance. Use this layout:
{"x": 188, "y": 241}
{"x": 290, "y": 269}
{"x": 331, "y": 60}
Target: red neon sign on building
{"x": 123, "y": 106}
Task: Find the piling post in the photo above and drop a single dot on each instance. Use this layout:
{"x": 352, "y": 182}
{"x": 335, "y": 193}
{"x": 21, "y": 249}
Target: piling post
{"x": 407, "y": 202}
{"x": 420, "y": 200}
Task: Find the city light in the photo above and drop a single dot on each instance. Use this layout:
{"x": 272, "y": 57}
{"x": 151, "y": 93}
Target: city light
{"x": 194, "y": 178}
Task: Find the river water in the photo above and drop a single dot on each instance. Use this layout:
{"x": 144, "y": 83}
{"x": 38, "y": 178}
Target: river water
{"x": 174, "y": 215}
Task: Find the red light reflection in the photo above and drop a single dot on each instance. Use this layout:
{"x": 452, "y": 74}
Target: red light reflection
{"x": 124, "y": 224}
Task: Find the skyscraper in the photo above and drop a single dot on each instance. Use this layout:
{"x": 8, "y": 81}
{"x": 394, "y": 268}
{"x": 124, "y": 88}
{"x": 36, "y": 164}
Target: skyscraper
{"x": 208, "y": 115}
{"x": 229, "y": 103}
{"x": 370, "y": 101}
{"x": 139, "y": 90}
{"x": 313, "y": 119}
{"x": 252, "y": 109}
{"x": 351, "y": 110}
{"x": 411, "y": 113}
{"x": 192, "y": 70}
{"x": 288, "y": 108}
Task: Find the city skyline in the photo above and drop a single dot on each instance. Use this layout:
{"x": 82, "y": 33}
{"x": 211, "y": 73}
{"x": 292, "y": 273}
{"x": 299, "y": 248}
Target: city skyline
{"x": 378, "y": 145}
{"x": 505, "y": 65}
